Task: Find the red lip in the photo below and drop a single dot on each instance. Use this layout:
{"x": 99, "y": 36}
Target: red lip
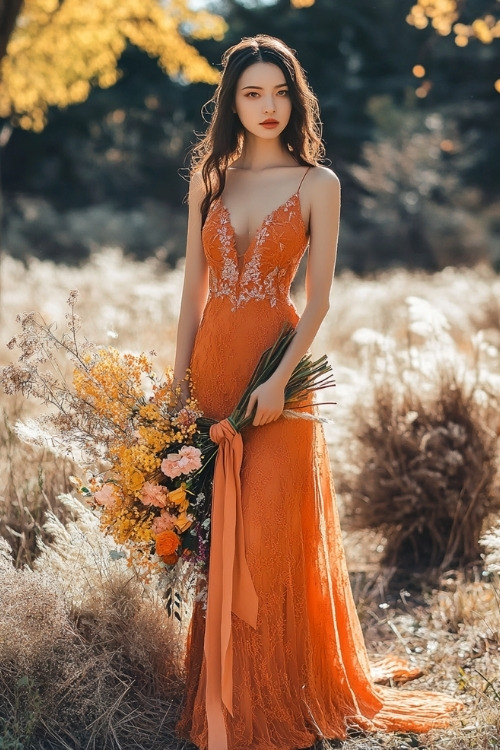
{"x": 270, "y": 122}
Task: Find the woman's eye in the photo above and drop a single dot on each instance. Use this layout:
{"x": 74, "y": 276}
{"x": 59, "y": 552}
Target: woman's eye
{"x": 252, "y": 94}
{"x": 283, "y": 92}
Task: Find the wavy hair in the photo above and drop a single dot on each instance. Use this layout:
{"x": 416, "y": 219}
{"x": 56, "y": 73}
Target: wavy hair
{"x": 223, "y": 140}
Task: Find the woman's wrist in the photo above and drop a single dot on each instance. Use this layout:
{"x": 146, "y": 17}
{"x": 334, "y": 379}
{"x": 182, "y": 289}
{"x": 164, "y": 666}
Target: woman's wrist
{"x": 280, "y": 378}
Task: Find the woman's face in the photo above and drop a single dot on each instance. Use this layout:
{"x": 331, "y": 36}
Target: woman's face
{"x": 262, "y": 100}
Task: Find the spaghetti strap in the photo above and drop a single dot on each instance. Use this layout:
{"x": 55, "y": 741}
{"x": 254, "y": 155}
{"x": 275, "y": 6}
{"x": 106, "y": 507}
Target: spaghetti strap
{"x": 303, "y": 178}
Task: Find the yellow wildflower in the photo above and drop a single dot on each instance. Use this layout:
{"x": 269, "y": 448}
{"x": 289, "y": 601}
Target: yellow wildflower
{"x": 178, "y": 497}
{"x": 183, "y": 522}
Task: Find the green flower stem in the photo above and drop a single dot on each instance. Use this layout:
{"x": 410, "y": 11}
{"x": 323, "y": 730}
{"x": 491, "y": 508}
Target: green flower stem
{"x": 307, "y": 376}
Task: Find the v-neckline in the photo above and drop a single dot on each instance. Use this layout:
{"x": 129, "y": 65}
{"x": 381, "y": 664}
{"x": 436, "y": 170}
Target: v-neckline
{"x": 263, "y": 223}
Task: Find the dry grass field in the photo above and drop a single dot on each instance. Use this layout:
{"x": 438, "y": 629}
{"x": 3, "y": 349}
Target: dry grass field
{"x": 89, "y": 657}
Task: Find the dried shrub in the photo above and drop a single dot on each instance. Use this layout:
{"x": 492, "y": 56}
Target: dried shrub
{"x": 96, "y": 665}
{"x": 426, "y": 478}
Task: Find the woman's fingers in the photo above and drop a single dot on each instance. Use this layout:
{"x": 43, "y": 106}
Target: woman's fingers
{"x": 251, "y": 404}
{"x": 262, "y": 418}
{"x": 267, "y": 401}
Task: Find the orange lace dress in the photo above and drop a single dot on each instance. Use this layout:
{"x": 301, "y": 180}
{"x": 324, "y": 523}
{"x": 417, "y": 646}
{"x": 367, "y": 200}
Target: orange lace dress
{"x": 298, "y": 670}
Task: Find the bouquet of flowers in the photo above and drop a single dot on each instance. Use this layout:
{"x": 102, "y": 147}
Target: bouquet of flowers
{"x": 149, "y": 455}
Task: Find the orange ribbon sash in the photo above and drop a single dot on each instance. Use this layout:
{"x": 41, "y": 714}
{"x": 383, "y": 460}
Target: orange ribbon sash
{"x": 230, "y": 585}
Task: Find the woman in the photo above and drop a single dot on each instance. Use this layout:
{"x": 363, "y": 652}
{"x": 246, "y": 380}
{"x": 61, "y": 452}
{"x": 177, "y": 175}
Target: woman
{"x": 289, "y": 665}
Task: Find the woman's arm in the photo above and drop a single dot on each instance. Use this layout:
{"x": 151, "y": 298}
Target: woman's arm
{"x": 324, "y": 192}
{"x": 195, "y": 288}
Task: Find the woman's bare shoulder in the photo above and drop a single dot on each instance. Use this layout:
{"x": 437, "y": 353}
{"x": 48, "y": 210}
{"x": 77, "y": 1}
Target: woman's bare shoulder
{"x": 322, "y": 187}
{"x": 320, "y": 177}
{"x": 197, "y": 189}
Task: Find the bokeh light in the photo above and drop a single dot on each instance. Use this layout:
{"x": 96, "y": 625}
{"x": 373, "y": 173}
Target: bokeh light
{"x": 423, "y": 90}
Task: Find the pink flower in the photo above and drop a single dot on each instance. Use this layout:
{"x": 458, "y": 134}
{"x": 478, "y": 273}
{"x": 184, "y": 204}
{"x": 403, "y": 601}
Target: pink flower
{"x": 106, "y": 495}
{"x": 154, "y": 494}
{"x": 170, "y": 466}
{"x": 163, "y": 522}
{"x": 188, "y": 459}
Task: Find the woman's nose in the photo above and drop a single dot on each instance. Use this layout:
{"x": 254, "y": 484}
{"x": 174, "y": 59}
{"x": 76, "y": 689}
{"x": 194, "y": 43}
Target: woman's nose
{"x": 269, "y": 105}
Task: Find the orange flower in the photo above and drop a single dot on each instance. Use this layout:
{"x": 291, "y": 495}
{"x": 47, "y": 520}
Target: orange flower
{"x": 167, "y": 543}
{"x": 170, "y": 559}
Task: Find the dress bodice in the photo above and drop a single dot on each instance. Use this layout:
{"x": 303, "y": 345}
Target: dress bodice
{"x": 266, "y": 270}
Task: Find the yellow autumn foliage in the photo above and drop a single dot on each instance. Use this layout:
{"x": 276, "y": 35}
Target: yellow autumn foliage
{"x": 443, "y": 15}
{"x": 58, "y": 51}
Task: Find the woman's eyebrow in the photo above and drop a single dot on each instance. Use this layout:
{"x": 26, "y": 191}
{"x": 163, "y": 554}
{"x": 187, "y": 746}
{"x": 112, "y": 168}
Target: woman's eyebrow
{"x": 278, "y": 86}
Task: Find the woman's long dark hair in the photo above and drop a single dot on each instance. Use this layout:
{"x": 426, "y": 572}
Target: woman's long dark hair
{"x": 223, "y": 141}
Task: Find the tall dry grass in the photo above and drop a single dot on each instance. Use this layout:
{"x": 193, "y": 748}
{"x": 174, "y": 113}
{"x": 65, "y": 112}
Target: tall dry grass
{"x": 30, "y": 482}
{"x": 88, "y": 654}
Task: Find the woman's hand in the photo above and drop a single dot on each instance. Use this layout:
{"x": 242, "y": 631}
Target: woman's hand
{"x": 269, "y": 398}
{"x": 183, "y": 391}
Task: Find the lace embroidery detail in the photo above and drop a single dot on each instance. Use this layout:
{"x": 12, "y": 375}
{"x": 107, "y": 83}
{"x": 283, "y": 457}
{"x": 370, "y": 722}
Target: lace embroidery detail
{"x": 275, "y": 281}
{"x": 254, "y": 281}
{"x": 225, "y": 284}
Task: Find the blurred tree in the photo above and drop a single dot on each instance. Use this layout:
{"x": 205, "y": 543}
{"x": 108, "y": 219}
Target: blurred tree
{"x": 120, "y": 150}
{"x": 414, "y": 207}
{"x": 121, "y": 145}
{"x": 478, "y": 20}
{"x": 9, "y": 11}
{"x": 457, "y": 71}
{"x": 360, "y": 53}
{"x": 60, "y": 48}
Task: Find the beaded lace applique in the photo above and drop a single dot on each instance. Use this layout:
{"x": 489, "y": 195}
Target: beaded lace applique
{"x": 260, "y": 273}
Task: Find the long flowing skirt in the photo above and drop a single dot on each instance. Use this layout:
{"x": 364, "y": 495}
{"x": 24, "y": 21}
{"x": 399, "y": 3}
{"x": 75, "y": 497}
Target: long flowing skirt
{"x": 303, "y": 672}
